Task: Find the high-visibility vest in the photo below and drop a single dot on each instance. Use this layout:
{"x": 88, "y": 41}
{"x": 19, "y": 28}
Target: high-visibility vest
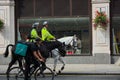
{"x": 46, "y": 36}
{"x": 34, "y": 35}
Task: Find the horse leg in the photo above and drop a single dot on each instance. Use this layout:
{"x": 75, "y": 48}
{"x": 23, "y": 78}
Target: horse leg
{"x": 20, "y": 63}
{"x": 22, "y": 66}
{"x": 27, "y": 69}
{"x": 62, "y": 61}
{"x": 10, "y": 65}
{"x": 55, "y": 64}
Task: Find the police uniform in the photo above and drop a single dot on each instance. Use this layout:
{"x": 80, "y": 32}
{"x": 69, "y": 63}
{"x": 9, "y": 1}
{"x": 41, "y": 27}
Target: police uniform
{"x": 34, "y": 33}
{"x": 46, "y": 36}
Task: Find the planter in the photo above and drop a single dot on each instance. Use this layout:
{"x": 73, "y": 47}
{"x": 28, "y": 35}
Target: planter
{"x": 100, "y": 20}
{"x": 101, "y": 28}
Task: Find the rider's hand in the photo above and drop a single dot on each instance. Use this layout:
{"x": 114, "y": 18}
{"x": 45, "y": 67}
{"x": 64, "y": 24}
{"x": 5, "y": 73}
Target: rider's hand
{"x": 41, "y": 60}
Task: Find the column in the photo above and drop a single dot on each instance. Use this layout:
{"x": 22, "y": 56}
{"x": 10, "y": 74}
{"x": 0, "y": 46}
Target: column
{"x": 101, "y": 37}
{"x": 7, "y": 35}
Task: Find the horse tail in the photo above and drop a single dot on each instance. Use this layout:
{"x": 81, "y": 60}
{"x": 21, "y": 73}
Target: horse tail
{"x": 7, "y": 50}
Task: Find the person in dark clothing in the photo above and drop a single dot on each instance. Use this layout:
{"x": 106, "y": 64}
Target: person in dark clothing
{"x": 35, "y": 48}
{"x": 33, "y": 57}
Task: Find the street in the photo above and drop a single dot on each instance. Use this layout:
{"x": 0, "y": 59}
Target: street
{"x": 88, "y": 77}
{"x": 78, "y": 77}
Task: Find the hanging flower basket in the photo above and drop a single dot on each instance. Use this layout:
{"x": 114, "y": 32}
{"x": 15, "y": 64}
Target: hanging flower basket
{"x": 1, "y": 25}
{"x": 100, "y": 20}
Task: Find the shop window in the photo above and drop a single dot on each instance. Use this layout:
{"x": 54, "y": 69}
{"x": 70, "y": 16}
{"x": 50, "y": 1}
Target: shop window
{"x": 66, "y": 18}
{"x": 62, "y": 28}
{"x": 115, "y": 26}
{"x": 116, "y": 35}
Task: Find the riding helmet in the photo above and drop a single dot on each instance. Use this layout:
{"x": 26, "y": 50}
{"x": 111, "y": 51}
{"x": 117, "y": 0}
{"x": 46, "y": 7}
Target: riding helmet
{"x": 45, "y": 22}
{"x": 35, "y": 24}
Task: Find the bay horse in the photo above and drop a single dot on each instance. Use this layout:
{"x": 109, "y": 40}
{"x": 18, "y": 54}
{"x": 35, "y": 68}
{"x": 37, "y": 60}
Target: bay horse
{"x": 47, "y": 46}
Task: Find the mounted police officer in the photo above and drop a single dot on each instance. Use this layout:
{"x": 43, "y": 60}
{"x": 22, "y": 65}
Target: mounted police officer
{"x": 45, "y": 34}
{"x": 34, "y": 34}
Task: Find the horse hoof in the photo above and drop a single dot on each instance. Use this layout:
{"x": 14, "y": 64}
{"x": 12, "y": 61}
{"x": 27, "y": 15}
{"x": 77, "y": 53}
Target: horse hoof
{"x": 59, "y": 72}
{"x": 62, "y": 68}
{"x": 27, "y": 79}
{"x": 55, "y": 73}
{"x": 53, "y": 70}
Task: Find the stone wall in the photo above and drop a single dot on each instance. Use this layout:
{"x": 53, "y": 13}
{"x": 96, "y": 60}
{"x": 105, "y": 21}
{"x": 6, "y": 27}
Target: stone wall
{"x": 7, "y": 35}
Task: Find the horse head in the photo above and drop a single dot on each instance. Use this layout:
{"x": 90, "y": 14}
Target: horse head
{"x": 71, "y": 42}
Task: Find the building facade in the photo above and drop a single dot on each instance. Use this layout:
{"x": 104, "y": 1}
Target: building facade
{"x": 66, "y": 18}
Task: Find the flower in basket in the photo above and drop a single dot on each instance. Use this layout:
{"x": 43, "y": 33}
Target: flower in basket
{"x": 1, "y": 25}
{"x": 100, "y": 20}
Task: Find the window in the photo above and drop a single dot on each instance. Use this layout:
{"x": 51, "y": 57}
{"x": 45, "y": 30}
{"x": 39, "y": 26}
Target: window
{"x": 115, "y": 26}
{"x": 64, "y": 27}
{"x": 66, "y": 18}
{"x": 43, "y": 8}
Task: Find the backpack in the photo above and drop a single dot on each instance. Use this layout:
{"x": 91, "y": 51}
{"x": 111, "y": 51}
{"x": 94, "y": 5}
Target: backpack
{"x": 21, "y": 49}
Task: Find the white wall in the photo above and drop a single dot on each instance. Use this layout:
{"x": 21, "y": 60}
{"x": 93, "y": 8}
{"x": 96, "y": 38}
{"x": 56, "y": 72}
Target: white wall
{"x": 7, "y": 35}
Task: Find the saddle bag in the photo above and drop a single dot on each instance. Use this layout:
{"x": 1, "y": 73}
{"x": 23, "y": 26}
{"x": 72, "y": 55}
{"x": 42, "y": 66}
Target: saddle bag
{"x": 21, "y": 49}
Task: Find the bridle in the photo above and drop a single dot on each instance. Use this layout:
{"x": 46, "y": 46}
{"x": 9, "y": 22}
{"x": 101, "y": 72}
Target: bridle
{"x": 71, "y": 41}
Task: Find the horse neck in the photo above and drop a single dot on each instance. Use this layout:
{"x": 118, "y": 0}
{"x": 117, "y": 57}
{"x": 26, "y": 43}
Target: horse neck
{"x": 52, "y": 45}
{"x": 56, "y": 44}
{"x": 69, "y": 41}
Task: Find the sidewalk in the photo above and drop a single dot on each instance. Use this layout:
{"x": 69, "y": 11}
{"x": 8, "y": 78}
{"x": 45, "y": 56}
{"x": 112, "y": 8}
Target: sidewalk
{"x": 91, "y": 69}
{"x": 81, "y": 69}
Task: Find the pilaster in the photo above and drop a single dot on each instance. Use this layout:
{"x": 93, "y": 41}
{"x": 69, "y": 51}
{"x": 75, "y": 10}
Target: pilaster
{"x": 101, "y": 38}
{"x": 7, "y": 35}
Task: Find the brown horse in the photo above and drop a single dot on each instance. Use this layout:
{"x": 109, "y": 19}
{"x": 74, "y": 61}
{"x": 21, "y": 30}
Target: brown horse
{"x": 45, "y": 49}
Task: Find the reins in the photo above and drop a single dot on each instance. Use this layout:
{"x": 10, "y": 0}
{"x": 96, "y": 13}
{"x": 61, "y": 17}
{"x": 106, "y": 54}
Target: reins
{"x": 70, "y": 41}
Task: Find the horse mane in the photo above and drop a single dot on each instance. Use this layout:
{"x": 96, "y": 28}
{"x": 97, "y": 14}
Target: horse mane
{"x": 52, "y": 44}
{"x": 7, "y": 50}
{"x": 68, "y": 39}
